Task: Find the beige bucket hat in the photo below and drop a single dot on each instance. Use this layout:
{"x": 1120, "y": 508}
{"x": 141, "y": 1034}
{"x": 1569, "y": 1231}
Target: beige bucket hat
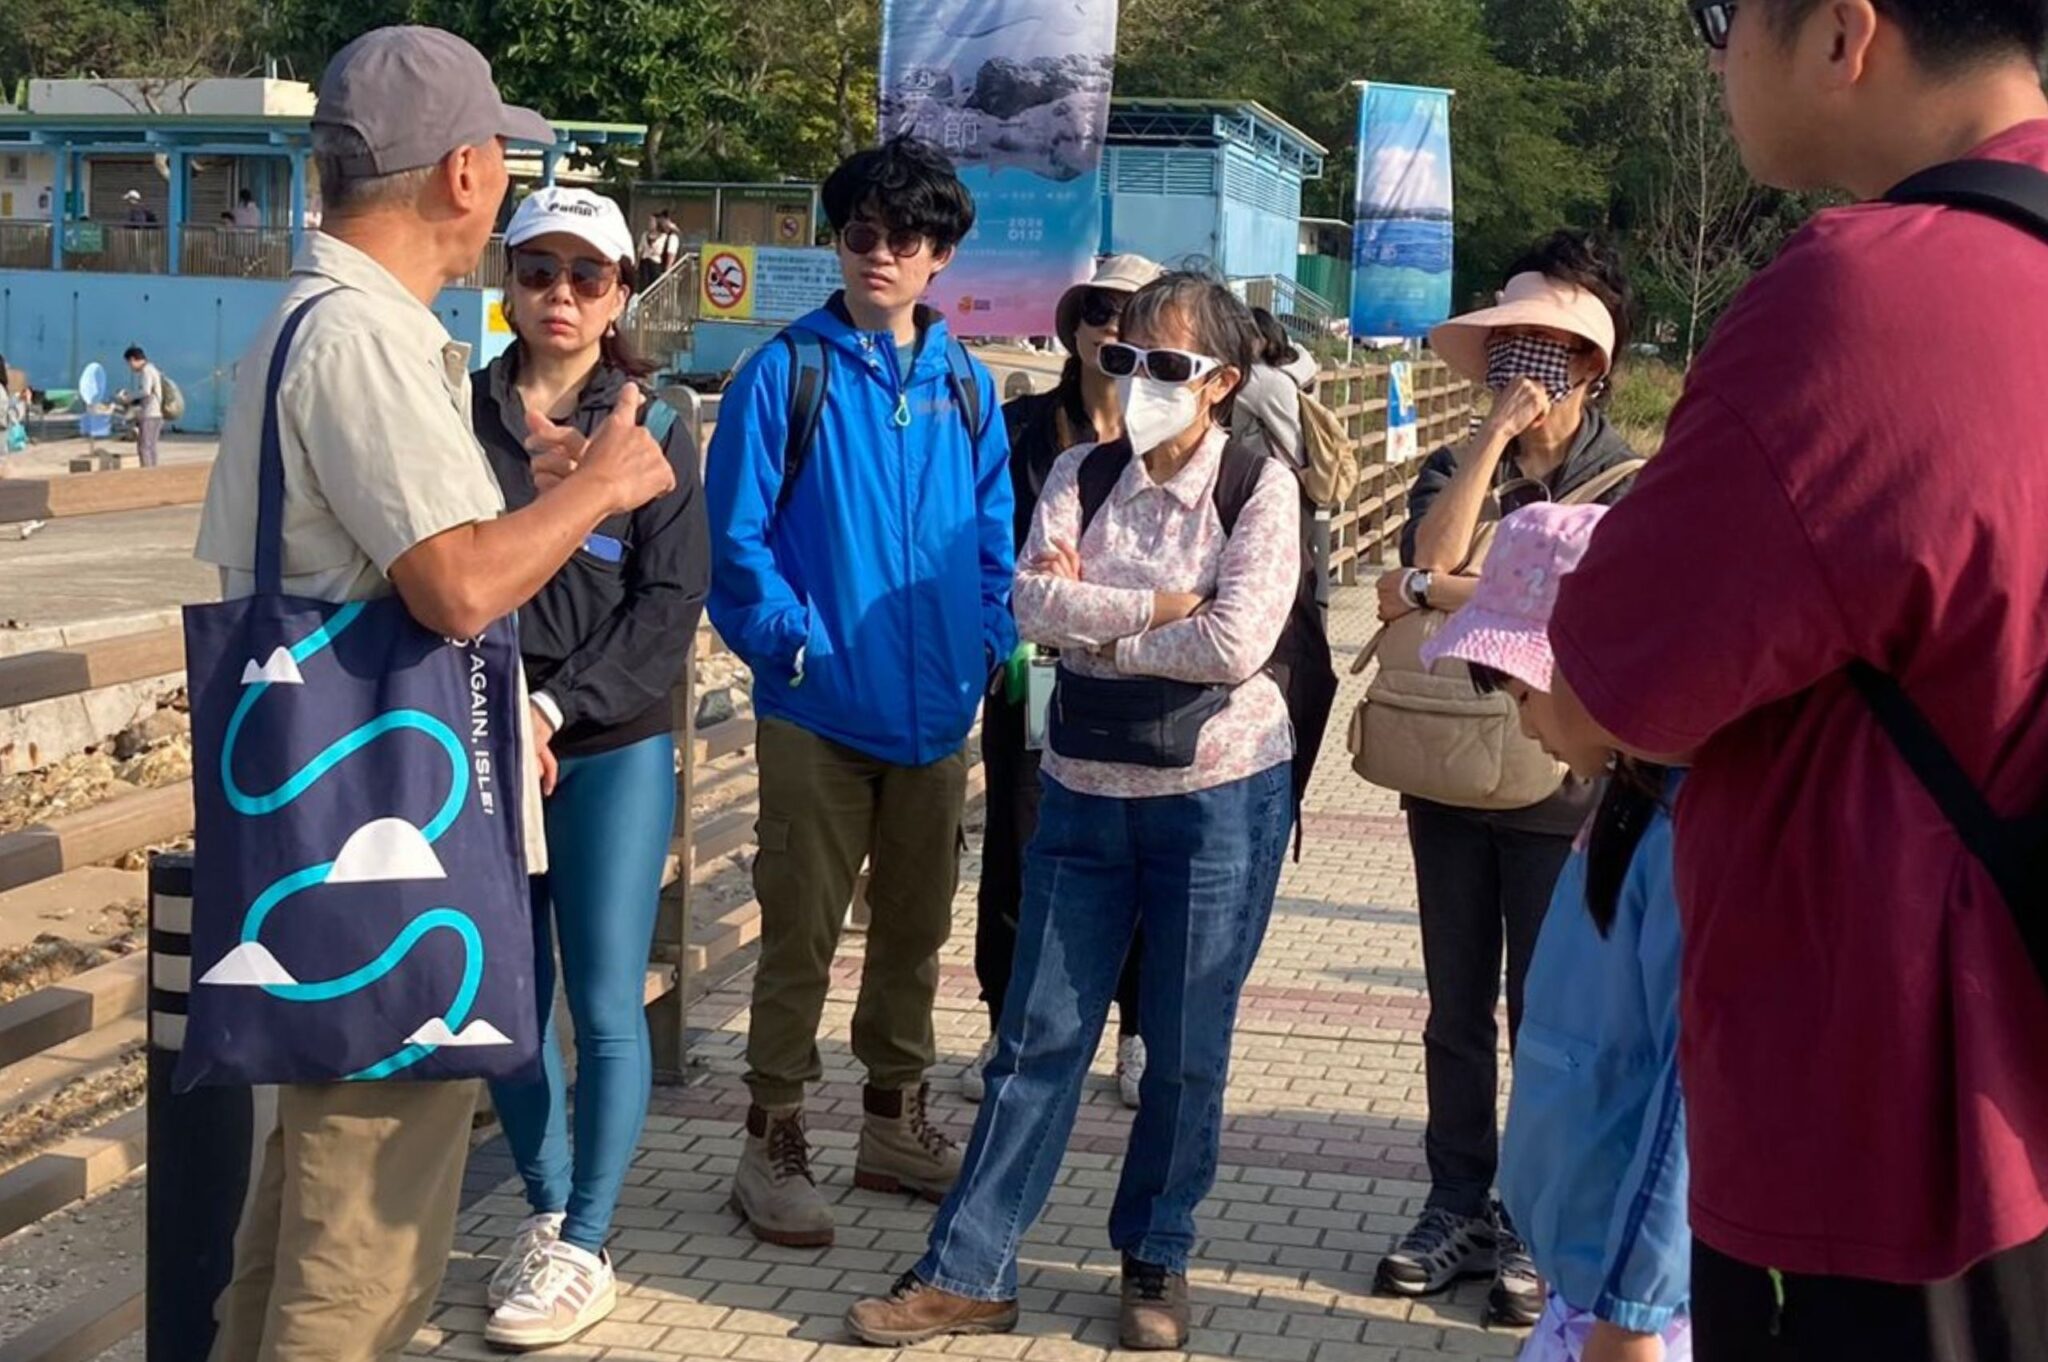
{"x": 1530, "y": 299}
{"x": 1116, "y": 274}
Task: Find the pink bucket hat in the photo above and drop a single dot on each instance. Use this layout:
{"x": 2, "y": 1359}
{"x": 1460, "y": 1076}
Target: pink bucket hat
{"x": 1530, "y": 299}
{"x": 1507, "y": 625}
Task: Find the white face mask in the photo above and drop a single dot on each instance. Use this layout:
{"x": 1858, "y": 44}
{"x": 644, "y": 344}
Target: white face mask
{"x": 1155, "y": 412}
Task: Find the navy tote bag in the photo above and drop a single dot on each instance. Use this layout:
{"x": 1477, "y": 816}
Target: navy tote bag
{"x": 360, "y": 908}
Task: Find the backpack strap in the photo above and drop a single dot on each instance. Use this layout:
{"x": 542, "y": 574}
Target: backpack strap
{"x": 1101, "y": 469}
{"x": 1236, "y": 481}
{"x": 1600, "y": 484}
{"x": 659, "y": 420}
{"x": 2014, "y": 851}
{"x": 810, "y": 377}
{"x": 966, "y": 384}
{"x": 2012, "y": 193}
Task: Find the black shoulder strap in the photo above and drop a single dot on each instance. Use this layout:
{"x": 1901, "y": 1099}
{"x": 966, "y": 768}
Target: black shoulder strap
{"x": 1101, "y": 469}
{"x": 2014, "y": 851}
{"x": 270, "y": 458}
{"x": 1243, "y": 464}
{"x": 2006, "y": 190}
{"x": 966, "y": 390}
{"x": 810, "y": 375}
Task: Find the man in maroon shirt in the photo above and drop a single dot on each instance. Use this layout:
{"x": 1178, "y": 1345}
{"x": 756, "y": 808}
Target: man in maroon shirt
{"x": 1859, "y": 470}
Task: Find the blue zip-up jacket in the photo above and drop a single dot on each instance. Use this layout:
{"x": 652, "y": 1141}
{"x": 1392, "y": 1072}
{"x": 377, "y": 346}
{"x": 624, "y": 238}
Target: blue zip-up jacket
{"x": 1593, "y": 1166}
{"x": 889, "y": 568}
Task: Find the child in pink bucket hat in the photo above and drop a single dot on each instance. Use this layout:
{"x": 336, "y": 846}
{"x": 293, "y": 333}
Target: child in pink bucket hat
{"x": 1593, "y": 1167}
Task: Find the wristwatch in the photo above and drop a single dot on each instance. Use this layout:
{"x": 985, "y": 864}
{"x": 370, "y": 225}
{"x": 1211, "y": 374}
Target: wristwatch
{"x": 1415, "y": 587}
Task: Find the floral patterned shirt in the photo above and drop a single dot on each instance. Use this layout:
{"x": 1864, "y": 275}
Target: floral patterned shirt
{"x": 1168, "y": 537}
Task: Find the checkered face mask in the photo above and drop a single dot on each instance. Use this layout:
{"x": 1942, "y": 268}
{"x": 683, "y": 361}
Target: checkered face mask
{"x": 1547, "y": 362}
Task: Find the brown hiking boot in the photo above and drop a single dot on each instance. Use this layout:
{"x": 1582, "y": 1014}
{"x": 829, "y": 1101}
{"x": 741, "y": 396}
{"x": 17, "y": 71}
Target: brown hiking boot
{"x": 901, "y": 1150}
{"x": 1155, "y": 1309}
{"x": 775, "y": 1191}
{"x": 913, "y": 1313}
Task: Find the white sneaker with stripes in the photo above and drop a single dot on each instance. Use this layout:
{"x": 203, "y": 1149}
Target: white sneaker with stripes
{"x": 570, "y": 1292}
{"x": 529, "y": 1249}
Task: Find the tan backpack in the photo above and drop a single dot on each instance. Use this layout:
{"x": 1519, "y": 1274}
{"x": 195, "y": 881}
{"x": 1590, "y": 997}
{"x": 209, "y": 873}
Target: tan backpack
{"x": 1329, "y": 465}
{"x": 1429, "y": 734}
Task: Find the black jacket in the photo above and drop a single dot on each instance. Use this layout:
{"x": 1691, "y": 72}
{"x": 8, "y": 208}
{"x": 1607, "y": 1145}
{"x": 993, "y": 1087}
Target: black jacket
{"x": 1038, "y": 436}
{"x": 1598, "y": 447}
{"x": 606, "y": 640}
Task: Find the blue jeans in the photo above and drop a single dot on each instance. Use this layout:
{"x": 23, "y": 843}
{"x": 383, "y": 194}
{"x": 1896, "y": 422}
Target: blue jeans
{"x": 1198, "y": 872}
{"x": 609, "y": 823}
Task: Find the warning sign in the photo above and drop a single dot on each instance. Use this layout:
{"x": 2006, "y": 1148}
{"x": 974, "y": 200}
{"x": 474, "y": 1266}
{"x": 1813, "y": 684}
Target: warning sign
{"x": 765, "y": 283}
{"x": 728, "y": 282}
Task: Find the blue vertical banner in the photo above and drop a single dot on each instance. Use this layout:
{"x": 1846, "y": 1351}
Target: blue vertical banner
{"x": 1401, "y": 274}
{"x": 1017, "y": 93}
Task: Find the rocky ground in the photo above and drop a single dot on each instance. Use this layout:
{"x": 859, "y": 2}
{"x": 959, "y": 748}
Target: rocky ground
{"x": 154, "y": 751}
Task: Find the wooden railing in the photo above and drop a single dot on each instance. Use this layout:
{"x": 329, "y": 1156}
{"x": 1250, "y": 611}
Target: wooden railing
{"x": 225, "y": 252}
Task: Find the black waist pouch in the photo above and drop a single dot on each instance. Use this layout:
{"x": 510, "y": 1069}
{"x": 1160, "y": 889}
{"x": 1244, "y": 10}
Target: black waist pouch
{"x": 1132, "y": 721}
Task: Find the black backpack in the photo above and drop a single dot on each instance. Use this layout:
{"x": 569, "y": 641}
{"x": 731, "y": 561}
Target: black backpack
{"x": 2014, "y": 850}
{"x": 1301, "y": 663}
{"x": 810, "y": 379}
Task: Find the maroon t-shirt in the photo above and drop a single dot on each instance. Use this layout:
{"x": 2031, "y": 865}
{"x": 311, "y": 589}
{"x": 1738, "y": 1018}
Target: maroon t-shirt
{"x": 1859, "y": 469}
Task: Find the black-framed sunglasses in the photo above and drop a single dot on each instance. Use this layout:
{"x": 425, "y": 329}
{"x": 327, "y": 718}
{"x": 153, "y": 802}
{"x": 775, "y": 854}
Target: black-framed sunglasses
{"x": 1714, "y": 19}
{"x": 590, "y": 279}
{"x": 861, "y": 238}
{"x": 1101, "y": 306}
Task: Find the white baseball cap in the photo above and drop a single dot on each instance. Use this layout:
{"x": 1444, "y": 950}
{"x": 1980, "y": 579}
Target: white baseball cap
{"x": 589, "y": 217}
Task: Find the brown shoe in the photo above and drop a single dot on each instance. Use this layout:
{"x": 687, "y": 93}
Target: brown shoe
{"x": 1155, "y": 1310}
{"x": 913, "y": 1313}
{"x": 774, "y": 1190}
{"x": 901, "y": 1150}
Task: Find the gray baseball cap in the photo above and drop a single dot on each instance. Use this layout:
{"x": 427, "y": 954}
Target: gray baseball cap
{"x": 414, "y": 95}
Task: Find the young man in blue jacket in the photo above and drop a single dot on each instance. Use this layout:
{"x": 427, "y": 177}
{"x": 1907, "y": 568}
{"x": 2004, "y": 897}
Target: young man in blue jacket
{"x": 859, "y": 491}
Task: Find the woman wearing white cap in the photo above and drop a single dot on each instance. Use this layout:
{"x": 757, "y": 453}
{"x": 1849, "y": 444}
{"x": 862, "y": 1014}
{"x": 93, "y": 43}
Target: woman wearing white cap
{"x": 1484, "y": 875}
{"x": 1083, "y": 408}
{"x": 604, "y": 644}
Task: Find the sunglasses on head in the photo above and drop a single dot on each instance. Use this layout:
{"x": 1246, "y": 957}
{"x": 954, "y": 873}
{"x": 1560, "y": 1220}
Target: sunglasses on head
{"x": 1168, "y": 366}
{"x": 861, "y": 238}
{"x": 1714, "y": 21}
{"x": 592, "y": 279}
{"x": 1101, "y": 306}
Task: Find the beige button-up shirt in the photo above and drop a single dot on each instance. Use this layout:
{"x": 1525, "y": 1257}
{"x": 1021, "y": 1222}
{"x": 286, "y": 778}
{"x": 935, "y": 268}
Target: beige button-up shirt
{"x": 379, "y": 453}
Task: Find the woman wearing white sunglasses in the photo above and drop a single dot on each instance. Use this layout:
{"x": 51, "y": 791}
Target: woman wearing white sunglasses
{"x": 1167, "y": 806}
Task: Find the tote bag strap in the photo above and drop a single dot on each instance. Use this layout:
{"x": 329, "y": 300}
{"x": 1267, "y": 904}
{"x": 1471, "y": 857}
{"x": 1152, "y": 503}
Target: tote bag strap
{"x": 270, "y": 460}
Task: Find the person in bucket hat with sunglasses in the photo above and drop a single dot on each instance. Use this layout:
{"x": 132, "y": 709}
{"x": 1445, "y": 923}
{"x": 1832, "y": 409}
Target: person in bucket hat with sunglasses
{"x": 859, "y": 487}
{"x": 605, "y": 643}
{"x": 1082, "y": 408}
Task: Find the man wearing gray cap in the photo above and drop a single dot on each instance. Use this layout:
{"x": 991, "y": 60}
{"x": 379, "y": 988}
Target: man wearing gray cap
{"x": 346, "y": 1234}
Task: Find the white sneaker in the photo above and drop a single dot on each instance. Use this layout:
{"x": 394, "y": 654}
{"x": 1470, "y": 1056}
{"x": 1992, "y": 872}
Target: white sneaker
{"x": 1130, "y": 1068}
{"x": 524, "y": 1258}
{"x": 572, "y": 1291}
{"x": 973, "y": 1085}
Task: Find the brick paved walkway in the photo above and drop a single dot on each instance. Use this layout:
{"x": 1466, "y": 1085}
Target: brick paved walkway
{"x": 1322, "y": 1158}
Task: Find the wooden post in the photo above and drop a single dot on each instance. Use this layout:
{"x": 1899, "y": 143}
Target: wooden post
{"x": 669, "y": 1016}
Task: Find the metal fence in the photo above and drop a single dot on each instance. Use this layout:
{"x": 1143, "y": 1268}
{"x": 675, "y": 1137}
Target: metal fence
{"x": 237, "y": 252}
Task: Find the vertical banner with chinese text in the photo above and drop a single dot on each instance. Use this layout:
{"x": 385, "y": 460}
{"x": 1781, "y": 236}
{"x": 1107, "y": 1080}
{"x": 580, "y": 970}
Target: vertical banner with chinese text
{"x": 1017, "y": 93}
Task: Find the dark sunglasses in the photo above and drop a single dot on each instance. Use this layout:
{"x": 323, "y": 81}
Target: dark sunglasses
{"x": 1714, "y": 21}
{"x": 592, "y": 279}
{"x": 1101, "y": 306}
{"x": 1168, "y": 366}
{"x": 861, "y": 238}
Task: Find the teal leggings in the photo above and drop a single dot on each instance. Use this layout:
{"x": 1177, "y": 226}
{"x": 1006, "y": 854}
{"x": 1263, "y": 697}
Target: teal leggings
{"x": 608, "y": 824}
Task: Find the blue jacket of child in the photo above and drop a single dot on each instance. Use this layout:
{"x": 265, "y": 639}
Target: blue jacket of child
{"x": 1593, "y": 1166}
